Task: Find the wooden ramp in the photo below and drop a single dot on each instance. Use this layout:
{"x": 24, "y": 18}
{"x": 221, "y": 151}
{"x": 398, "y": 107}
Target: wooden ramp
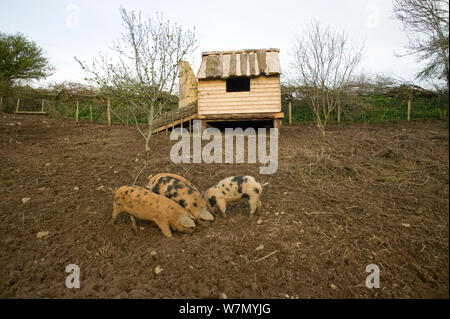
{"x": 175, "y": 117}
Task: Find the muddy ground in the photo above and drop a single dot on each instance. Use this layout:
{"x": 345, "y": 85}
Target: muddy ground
{"x": 372, "y": 194}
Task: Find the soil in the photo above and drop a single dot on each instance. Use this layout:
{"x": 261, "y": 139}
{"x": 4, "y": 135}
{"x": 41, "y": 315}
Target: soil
{"x": 370, "y": 194}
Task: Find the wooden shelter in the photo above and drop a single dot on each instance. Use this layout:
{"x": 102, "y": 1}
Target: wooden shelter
{"x": 241, "y": 85}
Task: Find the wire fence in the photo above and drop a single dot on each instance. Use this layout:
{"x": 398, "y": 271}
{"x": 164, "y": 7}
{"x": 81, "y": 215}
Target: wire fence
{"x": 375, "y": 109}
{"x": 93, "y": 110}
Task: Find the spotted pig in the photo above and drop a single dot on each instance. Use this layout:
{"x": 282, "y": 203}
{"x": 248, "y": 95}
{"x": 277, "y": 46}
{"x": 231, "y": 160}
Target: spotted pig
{"x": 232, "y": 189}
{"x": 182, "y": 192}
{"x": 143, "y": 204}
{"x": 152, "y": 178}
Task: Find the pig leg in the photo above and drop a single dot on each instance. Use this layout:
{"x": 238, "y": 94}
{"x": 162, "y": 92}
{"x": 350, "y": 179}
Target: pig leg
{"x": 222, "y": 205}
{"x": 133, "y": 224}
{"x": 255, "y": 204}
{"x": 165, "y": 228}
{"x": 116, "y": 211}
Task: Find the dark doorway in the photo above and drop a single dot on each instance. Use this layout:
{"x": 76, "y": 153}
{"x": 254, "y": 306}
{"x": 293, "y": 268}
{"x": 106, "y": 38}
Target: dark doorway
{"x": 243, "y": 124}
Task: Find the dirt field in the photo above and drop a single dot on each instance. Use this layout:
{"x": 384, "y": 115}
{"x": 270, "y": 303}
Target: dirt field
{"x": 373, "y": 194}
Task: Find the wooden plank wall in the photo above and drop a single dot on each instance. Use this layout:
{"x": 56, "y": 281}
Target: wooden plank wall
{"x": 264, "y": 96}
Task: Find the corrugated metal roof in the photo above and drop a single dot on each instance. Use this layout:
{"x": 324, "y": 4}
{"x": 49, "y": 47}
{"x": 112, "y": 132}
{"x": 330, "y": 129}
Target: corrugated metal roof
{"x": 225, "y": 64}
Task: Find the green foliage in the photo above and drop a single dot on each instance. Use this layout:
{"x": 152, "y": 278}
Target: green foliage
{"x": 20, "y": 59}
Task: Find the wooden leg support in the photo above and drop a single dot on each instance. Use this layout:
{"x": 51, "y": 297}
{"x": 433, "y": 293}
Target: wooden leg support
{"x": 276, "y": 123}
{"x": 203, "y": 124}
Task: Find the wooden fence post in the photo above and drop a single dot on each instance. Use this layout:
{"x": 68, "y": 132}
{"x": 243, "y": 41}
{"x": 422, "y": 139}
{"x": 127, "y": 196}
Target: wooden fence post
{"x": 409, "y": 108}
{"x": 1, "y": 102}
{"x": 339, "y": 114}
{"x": 181, "y": 120}
{"x": 190, "y": 127}
{"x": 290, "y": 112}
{"x": 90, "y": 112}
{"x": 108, "y": 110}
{"x": 166, "y": 116}
{"x": 42, "y": 107}
{"x": 76, "y": 112}
{"x": 17, "y": 105}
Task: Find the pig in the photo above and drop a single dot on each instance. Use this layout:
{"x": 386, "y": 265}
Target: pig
{"x": 152, "y": 178}
{"x": 232, "y": 189}
{"x": 181, "y": 191}
{"x": 143, "y": 204}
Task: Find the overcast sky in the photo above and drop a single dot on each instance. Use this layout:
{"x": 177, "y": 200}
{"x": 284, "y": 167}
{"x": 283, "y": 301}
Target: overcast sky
{"x": 84, "y": 28}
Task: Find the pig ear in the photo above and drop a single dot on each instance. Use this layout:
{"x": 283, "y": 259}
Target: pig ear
{"x": 205, "y": 215}
{"x": 186, "y": 221}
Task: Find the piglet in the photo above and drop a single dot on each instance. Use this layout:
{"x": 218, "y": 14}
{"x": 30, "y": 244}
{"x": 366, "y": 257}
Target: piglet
{"x": 232, "y": 189}
{"x": 182, "y": 192}
{"x": 143, "y": 204}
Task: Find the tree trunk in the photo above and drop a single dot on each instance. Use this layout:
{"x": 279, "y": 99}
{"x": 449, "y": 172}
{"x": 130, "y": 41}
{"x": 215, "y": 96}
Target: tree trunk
{"x": 150, "y": 129}
{"x": 322, "y": 130}
{"x": 147, "y": 145}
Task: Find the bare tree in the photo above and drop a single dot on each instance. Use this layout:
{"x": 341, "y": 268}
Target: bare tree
{"x": 324, "y": 63}
{"x": 144, "y": 73}
{"x": 428, "y": 24}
